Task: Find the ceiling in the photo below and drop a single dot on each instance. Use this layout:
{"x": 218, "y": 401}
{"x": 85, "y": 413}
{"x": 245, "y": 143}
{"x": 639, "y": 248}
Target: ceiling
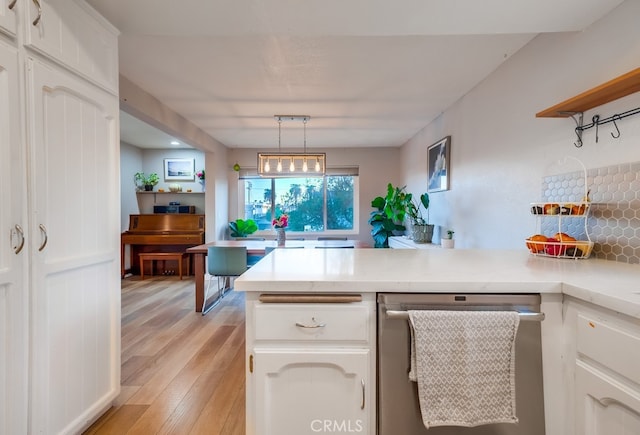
{"x": 369, "y": 73}
{"x": 142, "y": 135}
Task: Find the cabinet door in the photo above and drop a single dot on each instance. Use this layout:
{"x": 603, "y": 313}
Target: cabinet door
{"x": 306, "y": 392}
{"x": 604, "y": 405}
{"x": 73, "y": 34}
{"x": 8, "y": 17}
{"x": 75, "y": 248}
{"x": 13, "y": 290}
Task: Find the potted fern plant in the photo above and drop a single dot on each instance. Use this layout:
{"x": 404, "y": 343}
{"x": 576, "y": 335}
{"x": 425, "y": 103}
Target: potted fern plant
{"x": 421, "y": 230}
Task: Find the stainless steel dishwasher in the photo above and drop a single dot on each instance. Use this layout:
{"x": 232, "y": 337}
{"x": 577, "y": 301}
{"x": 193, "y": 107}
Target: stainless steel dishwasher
{"x": 398, "y": 407}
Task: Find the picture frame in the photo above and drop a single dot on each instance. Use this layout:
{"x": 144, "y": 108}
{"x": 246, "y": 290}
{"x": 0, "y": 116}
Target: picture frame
{"x": 438, "y": 165}
{"x": 179, "y": 169}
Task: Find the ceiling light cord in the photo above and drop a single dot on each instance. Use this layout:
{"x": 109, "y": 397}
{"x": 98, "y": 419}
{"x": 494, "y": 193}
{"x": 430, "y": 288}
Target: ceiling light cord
{"x": 305, "y": 168}
{"x": 279, "y": 166}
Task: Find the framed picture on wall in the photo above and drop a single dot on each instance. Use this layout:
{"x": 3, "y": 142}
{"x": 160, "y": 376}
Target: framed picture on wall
{"x": 438, "y": 165}
{"x": 179, "y": 169}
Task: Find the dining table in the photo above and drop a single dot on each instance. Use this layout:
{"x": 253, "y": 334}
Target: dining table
{"x": 256, "y": 248}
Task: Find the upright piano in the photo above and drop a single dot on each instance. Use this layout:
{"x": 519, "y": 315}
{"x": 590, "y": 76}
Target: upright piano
{"x": 160, "y": 233}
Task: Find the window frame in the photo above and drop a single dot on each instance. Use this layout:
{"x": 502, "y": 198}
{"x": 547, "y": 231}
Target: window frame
{"x": 306, "y": 234}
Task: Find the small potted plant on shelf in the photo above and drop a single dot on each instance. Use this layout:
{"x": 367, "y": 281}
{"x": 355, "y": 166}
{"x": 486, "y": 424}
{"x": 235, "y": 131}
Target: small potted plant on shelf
{"x": 421, "y": 230}
{"x": 146, "y": 182}
{"x": 447, "y": 240}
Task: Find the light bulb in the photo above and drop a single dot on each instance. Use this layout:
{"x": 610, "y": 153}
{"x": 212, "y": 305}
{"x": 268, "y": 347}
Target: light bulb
{"x": 317, "y": 168}
{"x": 292, "y": 167}
{"x": 305, "y": 168}
{"x": 279, "y": 167}
{"x": 267, "y": 166}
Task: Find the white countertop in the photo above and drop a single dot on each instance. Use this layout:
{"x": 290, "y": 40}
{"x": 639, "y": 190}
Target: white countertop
{"x": 606, "y": 283}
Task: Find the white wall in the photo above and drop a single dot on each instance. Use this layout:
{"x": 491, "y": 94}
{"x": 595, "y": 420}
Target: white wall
{"x": 153, "y": 161}
{"x": 130, "y": 163}
{"x": 377, "y": 166}
{"x": 500, "y": 150}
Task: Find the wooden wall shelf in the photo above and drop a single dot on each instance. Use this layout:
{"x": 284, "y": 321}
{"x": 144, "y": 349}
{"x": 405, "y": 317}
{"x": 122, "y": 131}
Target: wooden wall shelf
{"x": 619, "y": 87}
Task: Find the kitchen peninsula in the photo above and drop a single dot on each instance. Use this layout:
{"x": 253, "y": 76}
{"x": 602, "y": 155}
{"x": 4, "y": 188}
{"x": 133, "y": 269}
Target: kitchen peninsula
{"x": 590, "y": 337}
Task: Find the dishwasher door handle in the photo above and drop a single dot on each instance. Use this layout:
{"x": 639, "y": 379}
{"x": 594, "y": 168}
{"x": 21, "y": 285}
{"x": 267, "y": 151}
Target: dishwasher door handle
{"x": 524, "y": 316}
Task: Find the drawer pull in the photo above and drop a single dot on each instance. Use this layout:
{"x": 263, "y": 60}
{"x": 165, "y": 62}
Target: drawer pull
{"x": 363, "y": 395}
{"x": 43, "y": 230}
{"x": 19, "y": 232}
{"x": 12, "y": 4}
{"x": 316, "y": 325}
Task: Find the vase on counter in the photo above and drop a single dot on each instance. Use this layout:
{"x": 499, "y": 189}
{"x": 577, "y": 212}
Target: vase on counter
{"x": 281, "y": 237}
{"x": 202, "y": 184}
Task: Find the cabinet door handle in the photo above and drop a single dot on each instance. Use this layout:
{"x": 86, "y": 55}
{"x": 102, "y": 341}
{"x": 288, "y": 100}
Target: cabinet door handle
{"x": 37, "y": 20}
{"x": 18, "y": 248}
{"x": 363, "y": 395}
{"x": 11, "y": 6}
{"x": 314, "y": 326}
{"x": 43, "y": 229}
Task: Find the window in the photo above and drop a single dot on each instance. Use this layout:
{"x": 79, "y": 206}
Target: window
{"x": 314, "y": 204}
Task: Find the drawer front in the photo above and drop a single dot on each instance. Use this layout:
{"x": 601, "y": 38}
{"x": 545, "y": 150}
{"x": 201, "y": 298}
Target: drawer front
{"x": 312, "y": 322}
{"x": 610, "y": 345}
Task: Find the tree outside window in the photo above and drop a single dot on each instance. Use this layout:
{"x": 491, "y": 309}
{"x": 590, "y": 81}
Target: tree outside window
{"x": 314, "y": 204}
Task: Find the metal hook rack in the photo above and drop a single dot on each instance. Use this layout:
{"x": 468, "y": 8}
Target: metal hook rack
{"x": 578, "y": 118}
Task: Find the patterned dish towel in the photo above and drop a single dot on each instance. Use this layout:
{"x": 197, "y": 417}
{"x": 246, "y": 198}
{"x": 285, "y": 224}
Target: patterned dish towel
{"x": 464, "y": 364}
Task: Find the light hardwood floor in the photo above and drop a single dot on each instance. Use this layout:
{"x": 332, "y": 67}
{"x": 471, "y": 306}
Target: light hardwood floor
{"x": 182, "y": 373}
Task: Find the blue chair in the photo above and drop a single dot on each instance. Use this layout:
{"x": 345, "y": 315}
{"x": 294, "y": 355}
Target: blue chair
{"x": 223, "y": 262}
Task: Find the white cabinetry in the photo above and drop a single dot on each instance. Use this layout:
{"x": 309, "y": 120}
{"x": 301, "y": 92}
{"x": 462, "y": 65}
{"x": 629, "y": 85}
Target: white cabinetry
{"x": 71, "y": 33}
{"x": 8, "y": 20}
{"x": 311, "y": 367}
{"x": 60, "y": 294}
{"x": 607, "y": 379}
{"x": 75, "y": 251}
{"x": 13, "y": 253}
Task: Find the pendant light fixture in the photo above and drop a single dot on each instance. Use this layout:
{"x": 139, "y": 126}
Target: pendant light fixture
{"x": 298, "y": 163}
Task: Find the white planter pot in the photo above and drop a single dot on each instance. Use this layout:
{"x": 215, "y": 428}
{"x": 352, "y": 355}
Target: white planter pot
{"x": 447, "y": 243}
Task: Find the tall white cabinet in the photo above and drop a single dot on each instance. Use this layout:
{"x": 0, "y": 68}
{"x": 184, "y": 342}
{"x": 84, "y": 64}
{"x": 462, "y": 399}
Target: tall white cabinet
{"x": 60, "y": 289}
{"x": 13, "y": 253}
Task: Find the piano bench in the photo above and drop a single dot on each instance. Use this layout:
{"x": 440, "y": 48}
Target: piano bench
{"x": 151, "y": 256}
